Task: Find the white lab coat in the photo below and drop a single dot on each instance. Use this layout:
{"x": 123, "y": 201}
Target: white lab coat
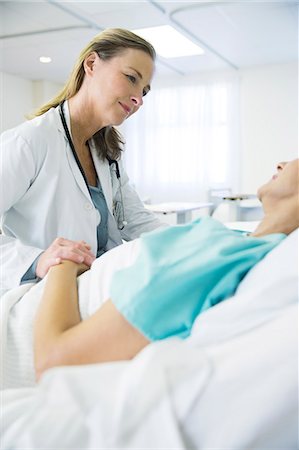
{"x": 43, "y": 196}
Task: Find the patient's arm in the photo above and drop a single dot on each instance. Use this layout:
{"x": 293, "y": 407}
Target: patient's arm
{"x": 61, "y": 338}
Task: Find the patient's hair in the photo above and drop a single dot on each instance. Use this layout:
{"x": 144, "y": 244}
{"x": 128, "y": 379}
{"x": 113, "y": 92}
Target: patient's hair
{"x": 107, "y": 44}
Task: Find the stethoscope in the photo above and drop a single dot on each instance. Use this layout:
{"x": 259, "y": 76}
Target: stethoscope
{"x": 118, "y": 210}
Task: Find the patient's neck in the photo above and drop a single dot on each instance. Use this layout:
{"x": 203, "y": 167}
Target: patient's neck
{"x": 281, "y": 218}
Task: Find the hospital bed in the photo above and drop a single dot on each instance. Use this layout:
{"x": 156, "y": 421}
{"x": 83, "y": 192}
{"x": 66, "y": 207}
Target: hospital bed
{"x": 232, "y": 384}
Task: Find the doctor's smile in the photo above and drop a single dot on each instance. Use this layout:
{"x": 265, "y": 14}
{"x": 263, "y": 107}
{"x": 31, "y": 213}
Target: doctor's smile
{"x": 126, "y": 108}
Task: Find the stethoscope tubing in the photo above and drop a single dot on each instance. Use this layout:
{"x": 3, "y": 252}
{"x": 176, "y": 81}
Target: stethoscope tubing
{"x": 110, "y": 161}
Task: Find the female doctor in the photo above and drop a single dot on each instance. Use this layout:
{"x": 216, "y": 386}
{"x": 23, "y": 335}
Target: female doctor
{"x": 65, "y": 194}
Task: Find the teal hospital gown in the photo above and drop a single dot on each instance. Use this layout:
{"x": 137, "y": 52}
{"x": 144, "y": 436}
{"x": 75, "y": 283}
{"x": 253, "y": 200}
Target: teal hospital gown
{"x": 183, "y": 270}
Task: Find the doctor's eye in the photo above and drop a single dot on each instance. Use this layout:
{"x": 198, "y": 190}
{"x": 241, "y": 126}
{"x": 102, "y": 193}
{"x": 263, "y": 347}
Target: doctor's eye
{"x": 132, "y": 78}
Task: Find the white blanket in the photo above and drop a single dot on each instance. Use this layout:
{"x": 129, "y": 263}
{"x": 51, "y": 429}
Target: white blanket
{"x": 232, "y": 384}
{"x": 19, "y": 306}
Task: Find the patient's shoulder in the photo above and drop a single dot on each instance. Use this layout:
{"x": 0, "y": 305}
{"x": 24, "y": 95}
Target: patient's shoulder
{"x": 281, "y": 264}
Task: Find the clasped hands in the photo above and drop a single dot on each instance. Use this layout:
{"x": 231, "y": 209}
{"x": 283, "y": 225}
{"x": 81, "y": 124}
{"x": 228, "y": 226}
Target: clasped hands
{"x": 60, "y": 250}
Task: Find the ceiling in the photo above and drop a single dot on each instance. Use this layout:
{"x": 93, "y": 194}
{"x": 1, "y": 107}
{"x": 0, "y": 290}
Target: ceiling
{"x": 234, "y": 35}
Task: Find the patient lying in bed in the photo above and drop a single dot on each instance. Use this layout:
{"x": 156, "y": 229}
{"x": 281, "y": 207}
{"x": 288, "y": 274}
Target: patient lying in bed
{"x": 177, "y": 273}
{"x": 236, "y": 373}
{"x": 232, "y": 383}
{"x": 109, "y": 330}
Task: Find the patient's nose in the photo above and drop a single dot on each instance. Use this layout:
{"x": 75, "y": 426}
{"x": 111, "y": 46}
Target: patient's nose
{"x": 281, "y": 165}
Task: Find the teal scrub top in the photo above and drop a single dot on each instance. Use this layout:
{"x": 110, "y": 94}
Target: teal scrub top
{"x": 100, "y": 204}
{"x": 182, "y": 271}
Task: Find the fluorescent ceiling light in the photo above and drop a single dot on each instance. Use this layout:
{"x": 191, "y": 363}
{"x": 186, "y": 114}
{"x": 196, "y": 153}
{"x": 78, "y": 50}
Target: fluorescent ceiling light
{"x": 45, "y": 59}
{"x": 168, "y": 42}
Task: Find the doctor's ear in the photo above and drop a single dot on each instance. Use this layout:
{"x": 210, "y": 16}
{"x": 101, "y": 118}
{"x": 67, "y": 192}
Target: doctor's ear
{"x": 89, "y": 62}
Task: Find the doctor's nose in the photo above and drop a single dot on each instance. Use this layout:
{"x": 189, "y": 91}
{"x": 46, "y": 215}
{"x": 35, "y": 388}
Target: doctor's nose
{"x": 137, "y": 100}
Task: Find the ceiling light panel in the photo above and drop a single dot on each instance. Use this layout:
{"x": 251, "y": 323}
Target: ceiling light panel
{"x": 168, "y": 42}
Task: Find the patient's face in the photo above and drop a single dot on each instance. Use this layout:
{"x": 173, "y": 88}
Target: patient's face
{"x": 284, "y": 183}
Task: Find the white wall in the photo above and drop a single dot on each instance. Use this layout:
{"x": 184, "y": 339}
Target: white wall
{"x": 44, "y": 91}
{"x": 16, "y": 100}
{"x": 269, "y": 121}
{"x": 21, "y": 97}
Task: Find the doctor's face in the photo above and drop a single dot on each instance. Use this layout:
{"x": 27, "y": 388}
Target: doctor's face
{"x": 284, "y": 184}
{"x": 116, "y": 87}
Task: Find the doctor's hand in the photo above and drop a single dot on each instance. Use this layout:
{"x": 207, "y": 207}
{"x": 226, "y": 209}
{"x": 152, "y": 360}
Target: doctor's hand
{"x": 64, "y": 249}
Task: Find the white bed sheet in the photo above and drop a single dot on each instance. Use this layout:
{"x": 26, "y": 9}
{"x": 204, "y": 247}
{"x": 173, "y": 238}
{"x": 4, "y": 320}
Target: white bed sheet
{"x": 19, "y": 306}
{"x": 232, "y": 384}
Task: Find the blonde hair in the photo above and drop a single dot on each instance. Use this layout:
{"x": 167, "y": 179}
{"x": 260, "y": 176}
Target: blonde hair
{"x": 107, "y": 44}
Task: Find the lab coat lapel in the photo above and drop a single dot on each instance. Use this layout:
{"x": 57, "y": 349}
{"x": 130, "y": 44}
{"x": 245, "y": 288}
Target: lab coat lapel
{"x": 103, "y": 172}
{"x": 76, "y": 171}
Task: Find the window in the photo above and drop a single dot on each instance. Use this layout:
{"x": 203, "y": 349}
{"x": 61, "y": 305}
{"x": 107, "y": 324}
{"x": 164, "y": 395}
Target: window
{"x": 184, "y": 141}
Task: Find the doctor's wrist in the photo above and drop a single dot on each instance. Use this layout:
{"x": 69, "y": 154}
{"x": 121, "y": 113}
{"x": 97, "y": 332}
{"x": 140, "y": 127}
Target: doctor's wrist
{"x": 30, "y": 274}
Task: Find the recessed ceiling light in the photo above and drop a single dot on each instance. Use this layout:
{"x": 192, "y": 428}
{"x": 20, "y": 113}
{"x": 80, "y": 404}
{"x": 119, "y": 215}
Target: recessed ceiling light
{"x": 45, "y": 59}
{"x": 168, "y": 42}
